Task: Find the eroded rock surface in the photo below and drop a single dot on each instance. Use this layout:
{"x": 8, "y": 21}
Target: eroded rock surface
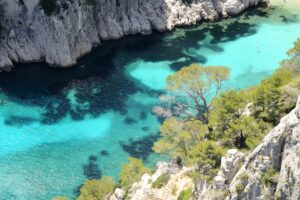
{"x": 144, "y": 190}
{"x": 272, "y": 170}
{"x": 29, "y": 35}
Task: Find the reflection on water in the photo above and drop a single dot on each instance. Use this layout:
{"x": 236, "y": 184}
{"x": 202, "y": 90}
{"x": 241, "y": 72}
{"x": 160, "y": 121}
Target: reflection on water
{"x": 62, "y": 126}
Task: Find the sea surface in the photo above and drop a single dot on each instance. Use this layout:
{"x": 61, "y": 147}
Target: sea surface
{"x": 59, "y": 127}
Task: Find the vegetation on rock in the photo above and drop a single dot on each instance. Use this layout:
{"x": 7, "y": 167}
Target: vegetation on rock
{"x": 185, "y": 194}
{"x": 96, "y": 189}
{"x": 161, "y": 181}
{"x": 132, "y": 172}
{"x": 49, "y": 6}
{"x": 203, "y": 124}
{"x": 270, "y": 177}
{"x": 234, "y": 119}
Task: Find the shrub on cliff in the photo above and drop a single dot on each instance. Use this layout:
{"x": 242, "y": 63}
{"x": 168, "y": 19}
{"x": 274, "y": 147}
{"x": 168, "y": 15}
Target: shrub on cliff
{"x": 91, "y": 2}
{"x": 161, "y": 181}
{"x": 207, "y": 156}
{"x": 96, "y": 189}
{"x": 49, "y": 6}
{"x": 60, "y": 198}
{"x": 132, "y": 172}
{"x": 185, "y": 194}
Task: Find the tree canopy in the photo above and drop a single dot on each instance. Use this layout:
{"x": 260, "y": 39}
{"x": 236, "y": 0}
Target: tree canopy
{"x": 98, "y": 189}
{"x": 193, "y": 88}
{"x": 132, "y": 172}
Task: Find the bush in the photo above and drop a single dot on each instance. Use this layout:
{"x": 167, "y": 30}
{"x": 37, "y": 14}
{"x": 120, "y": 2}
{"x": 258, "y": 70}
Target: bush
{"x": 91, "y": 2}
{"x": 49, "y": 6}
{"x": 60, "y": 198}
{"x": 239, "y": 188}
{"x": 270, "y": 177}
{"x": 207, "y": 155}
{"x": 185, "y": 194}
{"x": 161, "y": 181}
{"x": 96, "y": 189}
{"x": 132, "y": 172}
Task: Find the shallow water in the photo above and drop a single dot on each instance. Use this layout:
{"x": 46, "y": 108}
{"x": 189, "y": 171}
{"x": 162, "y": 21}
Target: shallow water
{"x": 60, "y": 127}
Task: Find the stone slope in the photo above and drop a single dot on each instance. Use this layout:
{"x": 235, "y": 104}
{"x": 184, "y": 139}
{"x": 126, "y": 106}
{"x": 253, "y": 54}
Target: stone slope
{"x": 279, "y": 151}
{"x": 239, "y": 177}
{"x": 29, "y": 35}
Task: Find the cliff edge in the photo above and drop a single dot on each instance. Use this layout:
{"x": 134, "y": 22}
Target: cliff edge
{"x": 272, "y": 169}
{"x": 30, "y": 33}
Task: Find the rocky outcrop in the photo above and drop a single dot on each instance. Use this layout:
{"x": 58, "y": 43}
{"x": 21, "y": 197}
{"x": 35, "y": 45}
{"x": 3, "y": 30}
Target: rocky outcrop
{"x": 230, "y": 164}
{"x": 76, "y": 26}
{"x": 144, "y": 189}
{"x": 272, "y": 170}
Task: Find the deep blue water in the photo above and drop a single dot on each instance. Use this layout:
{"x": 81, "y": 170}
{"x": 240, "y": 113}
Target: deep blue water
{"x": 60, "y": 127}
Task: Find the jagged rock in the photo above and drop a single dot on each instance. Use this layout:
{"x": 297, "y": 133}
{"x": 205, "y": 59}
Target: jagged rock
{"x": 118, "y": 194}
{"x": 230, "y": 164}
{"x": 179, "y": 180}
{"x": 202, "y": 190}
{"x": 278, "y": 151}
{"x": 219, "y": 182}
{"x": 73, "y": 29}
{"x": 246, "y": 111}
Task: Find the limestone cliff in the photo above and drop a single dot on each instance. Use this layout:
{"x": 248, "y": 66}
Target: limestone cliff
{"x": 170, "y": 189}
{"x": 75, "y": 26}
{"x": 272, "y": 170}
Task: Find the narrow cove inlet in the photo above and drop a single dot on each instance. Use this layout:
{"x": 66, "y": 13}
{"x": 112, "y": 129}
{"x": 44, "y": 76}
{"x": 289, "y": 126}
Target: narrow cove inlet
{"x": 59, "y": 127}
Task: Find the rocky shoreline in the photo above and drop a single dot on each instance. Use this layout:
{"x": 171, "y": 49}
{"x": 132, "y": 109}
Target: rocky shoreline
{"x": 28, "y": 34}
{"x": 240, "y": 176}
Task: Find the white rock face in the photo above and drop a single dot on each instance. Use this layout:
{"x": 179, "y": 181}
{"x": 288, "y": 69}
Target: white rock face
{"x": 280, "y": 151}
{"x": 76, "y": 27}
{"x": 118, "y": 194}
{"x": 230, "y": 164}
{"x": 179, "y": 180}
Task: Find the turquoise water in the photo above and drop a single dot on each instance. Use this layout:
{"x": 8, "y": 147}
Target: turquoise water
{"x": 61, "y": 127}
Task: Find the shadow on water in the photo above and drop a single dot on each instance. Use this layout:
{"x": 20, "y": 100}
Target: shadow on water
{"x": 98, "y": 79}
{"x": 140, "y": 148}
{"x": 18, "y": 121}
{"x": 92, "y": 170}
{"x": 104, "y": 153}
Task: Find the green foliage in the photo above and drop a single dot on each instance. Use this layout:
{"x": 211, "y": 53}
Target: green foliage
{"x": 96, "y": 189}
{"x": 244, "y": 177}
{"x": 185, "y": 194}
{"x": 91, "y": 2}
{"x": 197, "y": 86}
{"x": 270, "y": 177}
{"x": 60, "y": 198}
{"x": 225, "y": 109}
{"x": 293, "y": 63}
{"x": 244, "y": 132}
{"x": 132, "y": 172}
{"x": 161, "y": 181}
{"x": 267, "y": 97}
{"x": 239, "y": 188}
{"x": 177, "y": 136}
{"x": 207, "y": 155}
{"x": 49, "y": 6}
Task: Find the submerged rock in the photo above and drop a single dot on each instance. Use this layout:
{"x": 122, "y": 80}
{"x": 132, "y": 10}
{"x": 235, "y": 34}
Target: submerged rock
{"x": 75, "y": 27}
